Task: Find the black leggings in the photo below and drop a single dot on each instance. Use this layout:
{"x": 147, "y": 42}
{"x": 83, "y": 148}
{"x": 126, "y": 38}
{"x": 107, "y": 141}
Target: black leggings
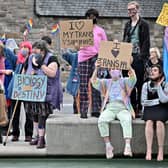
{"x": 41, "y": 120}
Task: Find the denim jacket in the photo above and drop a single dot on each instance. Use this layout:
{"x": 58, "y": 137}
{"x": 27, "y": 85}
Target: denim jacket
{"x": 73, "y": 80}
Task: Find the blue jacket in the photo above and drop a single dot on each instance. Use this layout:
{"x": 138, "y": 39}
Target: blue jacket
{"x": 10, "y": 63}
{"x": 7, "y": 77}
{"x": 73, "y": 80}
{"x": 11, "y": 57}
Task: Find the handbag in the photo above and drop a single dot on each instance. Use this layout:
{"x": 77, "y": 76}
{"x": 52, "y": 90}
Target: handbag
{"x": 3, "y": 110}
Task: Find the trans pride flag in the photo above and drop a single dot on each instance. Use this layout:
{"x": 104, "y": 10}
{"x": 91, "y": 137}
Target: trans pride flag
{"x": 165, "y": 54}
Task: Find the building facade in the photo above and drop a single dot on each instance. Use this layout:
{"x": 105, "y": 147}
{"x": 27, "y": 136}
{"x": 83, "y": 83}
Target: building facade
{"x": 45, "y": 13}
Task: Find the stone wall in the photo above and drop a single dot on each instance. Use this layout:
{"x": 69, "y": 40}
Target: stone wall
{"x": 69, "y": 135}
{"x": 15, "y": 13}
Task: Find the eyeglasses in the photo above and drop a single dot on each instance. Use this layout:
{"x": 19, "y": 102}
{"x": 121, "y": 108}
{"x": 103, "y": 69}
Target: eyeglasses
{"x": 131, "y": 9}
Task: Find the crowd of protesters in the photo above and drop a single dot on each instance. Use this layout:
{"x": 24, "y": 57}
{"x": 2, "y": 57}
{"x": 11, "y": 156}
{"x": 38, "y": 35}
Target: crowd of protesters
{"x": 139, "y": 92}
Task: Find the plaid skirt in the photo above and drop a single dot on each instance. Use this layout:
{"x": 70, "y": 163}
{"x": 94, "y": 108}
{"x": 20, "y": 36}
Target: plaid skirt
{"x": 38, "y": 108}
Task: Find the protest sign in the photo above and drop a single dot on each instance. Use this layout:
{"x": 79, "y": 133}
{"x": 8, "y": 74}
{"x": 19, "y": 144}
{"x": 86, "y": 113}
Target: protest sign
{"x": 76, "y": 32}
{"x": 163, "y": 17}
{"x": 29, "y": 88}
{"x": 115, "y": 55}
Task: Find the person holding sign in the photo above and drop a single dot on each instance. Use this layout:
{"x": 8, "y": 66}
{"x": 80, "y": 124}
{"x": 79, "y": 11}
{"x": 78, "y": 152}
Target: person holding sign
{"x": 136, "y": 31}
{"x": 163, "y": 20}
{"x": 155, "y": 102}
{"x": 118, "y": 90}
{"x": 86, "y": 59}
{"x": 42, "y": 62}
{"x": 23, "y": 54}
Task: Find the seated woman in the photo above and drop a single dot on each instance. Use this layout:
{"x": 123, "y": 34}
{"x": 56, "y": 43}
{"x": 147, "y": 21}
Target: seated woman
{"x": 154, "y": 99}
{"x": 118, "y": 90}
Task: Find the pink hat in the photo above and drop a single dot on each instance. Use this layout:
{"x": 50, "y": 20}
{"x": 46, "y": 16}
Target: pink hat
{"x": 26, "y": 44}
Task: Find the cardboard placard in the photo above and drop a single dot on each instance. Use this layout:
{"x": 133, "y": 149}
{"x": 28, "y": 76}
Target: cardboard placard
{"x": 30, "y": 88}
{"x": 163, "y": 17}
{"x": 76, "y": 32}
{"x": 115, "y": 55}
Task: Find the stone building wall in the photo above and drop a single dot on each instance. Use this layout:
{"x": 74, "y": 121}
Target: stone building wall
{"x": 15, "y": 13}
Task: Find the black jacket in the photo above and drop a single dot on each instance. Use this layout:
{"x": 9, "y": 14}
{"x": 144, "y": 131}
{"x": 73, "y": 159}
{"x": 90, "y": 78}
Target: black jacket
{"x": 144, "y": 37}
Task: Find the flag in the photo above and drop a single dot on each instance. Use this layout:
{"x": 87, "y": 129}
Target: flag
{"x": 162, "y": 18}
{"x": 29, "y": 25}
{"x": 55, "y": 29}
{"x": 3, "y": 38}
{"x": 165, "y": 54}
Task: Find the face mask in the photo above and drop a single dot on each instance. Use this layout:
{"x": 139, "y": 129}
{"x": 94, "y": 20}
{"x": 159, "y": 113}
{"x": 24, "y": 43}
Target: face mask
{"x": 24, "y": 52}
{"x": 115, "y": 73}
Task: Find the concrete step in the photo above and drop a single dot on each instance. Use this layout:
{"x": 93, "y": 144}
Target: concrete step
{"x": 70, "y": 135}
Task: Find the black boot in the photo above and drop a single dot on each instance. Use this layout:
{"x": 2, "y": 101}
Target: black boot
{"x": 34, "y": 141}
{"x": 95, "y": 114}
{"x": 84, "y": 115}
{"x": 41, "y": 142}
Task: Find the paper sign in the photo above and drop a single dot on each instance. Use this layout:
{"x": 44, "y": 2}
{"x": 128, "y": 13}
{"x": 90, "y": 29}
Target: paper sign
{"x": 76, "y": 32}
{"x": 115, "y": 55}
{"x": 163, "y": 17}
{"x": 29, "y": 88}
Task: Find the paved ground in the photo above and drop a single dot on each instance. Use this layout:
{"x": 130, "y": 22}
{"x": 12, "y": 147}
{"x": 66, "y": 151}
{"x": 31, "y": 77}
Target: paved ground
{"x": 22, "y": 148}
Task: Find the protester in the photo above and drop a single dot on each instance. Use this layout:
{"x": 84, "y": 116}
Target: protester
{"x": 42, "y": 62}
{"x": 11, "y": 44}
{"x": 7, "y": 66}
{"x": 86, "y": 59}
{"x": 72, "y": 86}
{"x": 154, "y": 58}
{"x": 136, "y": 31}
{"x": 118, "y": 90}
{"x": 165, "y": 54}
{"x": 155, "y": 101}
{"x": 23, "y": 54}
{"x": 48, "y": 40}
{"x": 1, "y": 128}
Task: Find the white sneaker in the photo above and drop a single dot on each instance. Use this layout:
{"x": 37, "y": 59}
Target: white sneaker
{"x": 128, "y": 151}
{"x": 109, "y": 152}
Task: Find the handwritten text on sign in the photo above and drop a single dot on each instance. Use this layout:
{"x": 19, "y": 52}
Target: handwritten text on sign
{"x": 30, "y": 88}
{"x": 115, "y": 55}
{"x": 76, "y": 32}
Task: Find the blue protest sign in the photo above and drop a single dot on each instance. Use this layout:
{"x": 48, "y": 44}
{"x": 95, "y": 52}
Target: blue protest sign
{"x": 30, "y": 88}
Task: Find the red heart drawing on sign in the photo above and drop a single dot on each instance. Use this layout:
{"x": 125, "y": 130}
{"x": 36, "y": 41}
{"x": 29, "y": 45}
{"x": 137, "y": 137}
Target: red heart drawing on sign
{"x": 79, "y": 25}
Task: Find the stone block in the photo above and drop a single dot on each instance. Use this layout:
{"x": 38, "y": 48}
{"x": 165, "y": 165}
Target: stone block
{"x": 67, "y": 134}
